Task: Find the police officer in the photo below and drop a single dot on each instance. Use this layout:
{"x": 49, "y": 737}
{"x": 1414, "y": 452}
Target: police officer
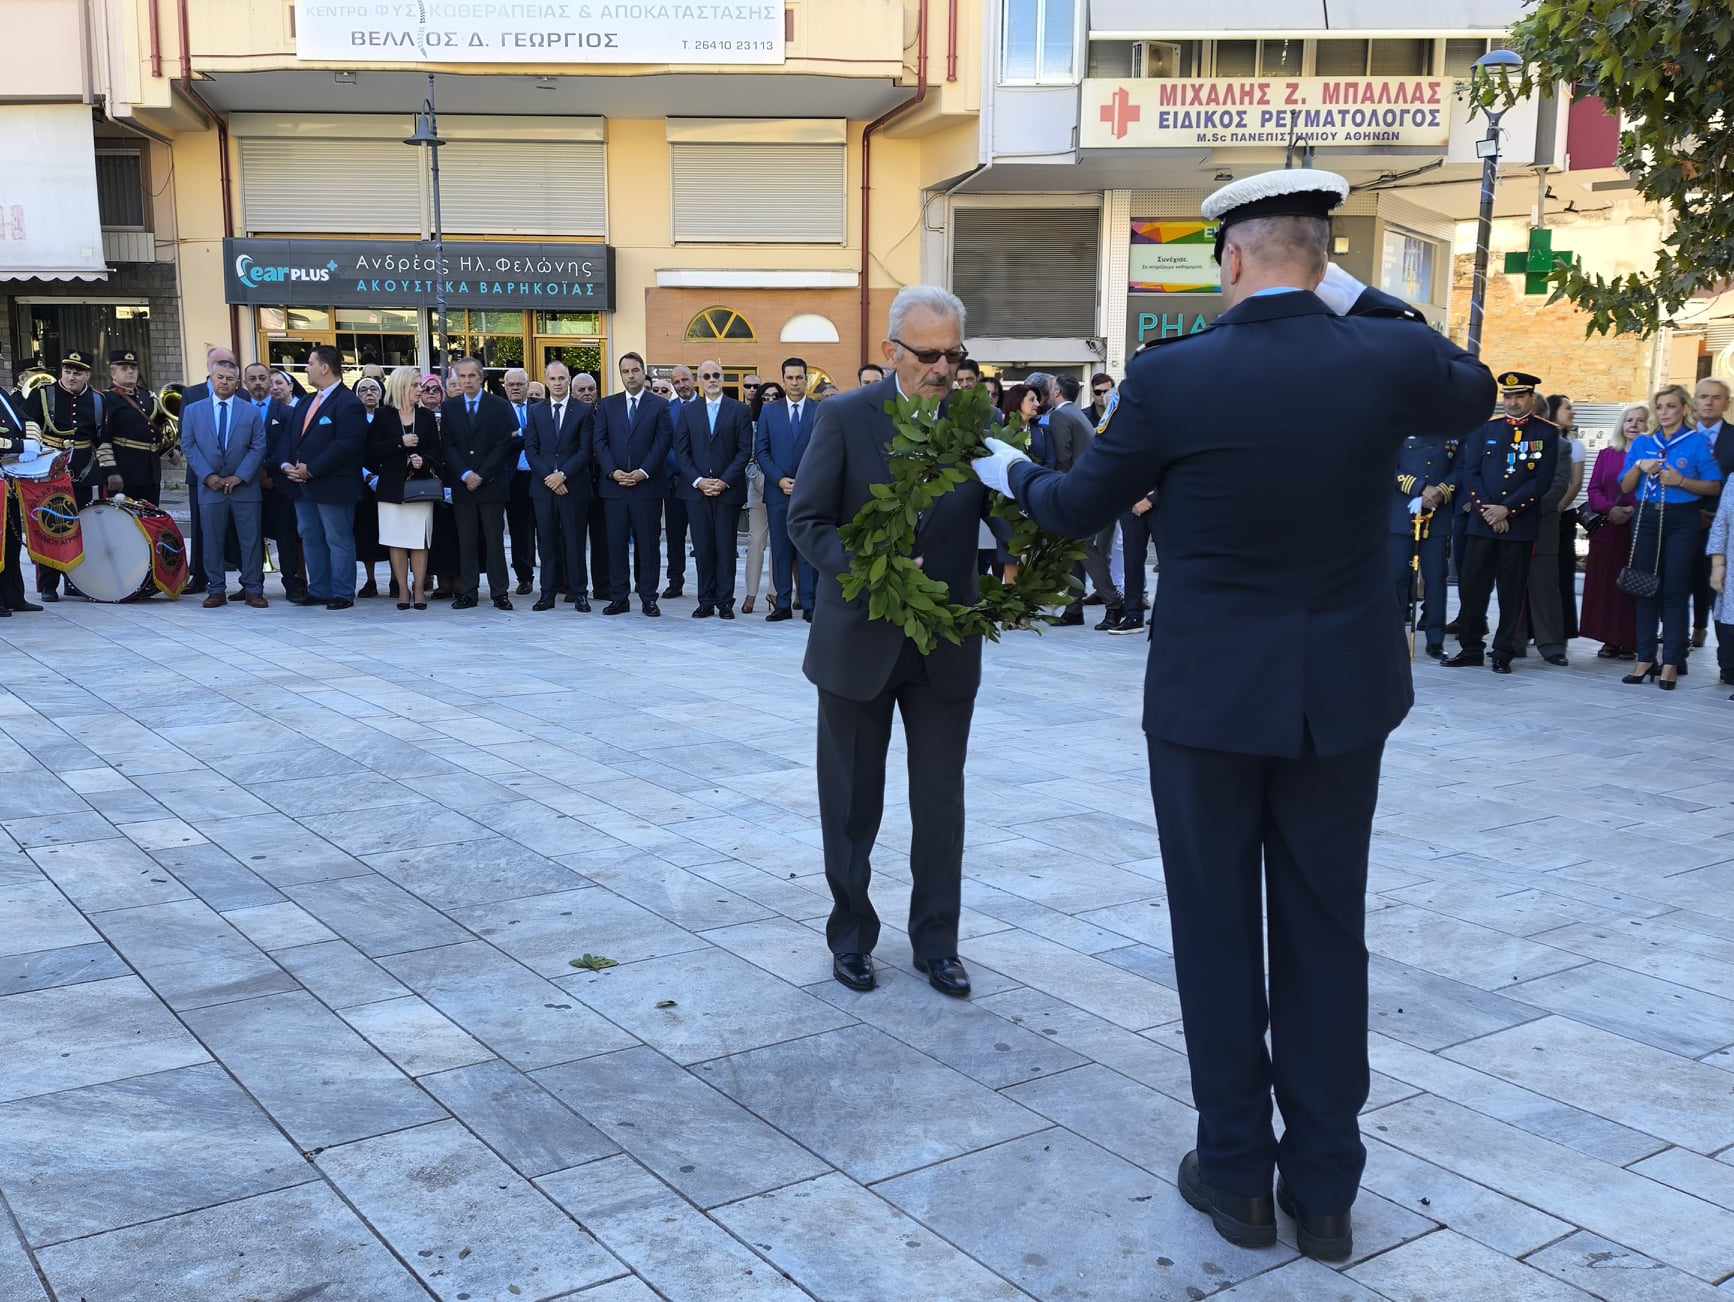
{"x": 1276, "y": 672}
{"x": 1426, "y": 482}
{"x": 70, "y": 413}
{"x": 136, "y": 446}
{"x": 1509, "y": 466}
{"x": 13, "y": 432}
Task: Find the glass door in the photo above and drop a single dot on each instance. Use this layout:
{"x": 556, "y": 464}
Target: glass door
{"x": 575, "y": 338}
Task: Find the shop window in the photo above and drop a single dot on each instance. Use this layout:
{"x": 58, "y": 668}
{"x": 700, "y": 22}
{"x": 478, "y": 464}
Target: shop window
{"x": 1236, "y": 58}
{"x": 1401, "y": 58}
{"x": 568, "y": 323}
{"x": 120, "y": 189}
{"x": 1039, "y": 41}
{"x": 1340, "y": 59}
{"x": 1408, "y": 266}
{"x": 1281, "y": 58}
{"x": 55, "y": 327}
{"x": 1461, "y": 52}
{"x": 719, "y": 323}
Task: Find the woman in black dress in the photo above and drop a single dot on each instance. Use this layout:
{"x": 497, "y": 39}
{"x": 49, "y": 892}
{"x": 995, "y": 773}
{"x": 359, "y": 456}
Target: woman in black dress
{"x": 442, "y": 557}
{"x": 404, "y": 447}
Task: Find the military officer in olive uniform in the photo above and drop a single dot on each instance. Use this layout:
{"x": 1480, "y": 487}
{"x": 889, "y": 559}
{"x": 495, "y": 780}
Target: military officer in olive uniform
{"x": 70, "y": 413}
{"x": 1510, "y": 465}
{"x": 1426, "y": 483}
{"x": 12, "y": 435}
{"x": 137, "y": 448}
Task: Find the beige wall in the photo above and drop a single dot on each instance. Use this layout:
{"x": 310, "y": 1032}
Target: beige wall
{"x": 198, "y": 207}
{"x": 45, "y": 51}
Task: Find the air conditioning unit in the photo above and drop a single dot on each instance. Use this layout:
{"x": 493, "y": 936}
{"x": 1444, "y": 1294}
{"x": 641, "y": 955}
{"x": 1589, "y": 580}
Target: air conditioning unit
{"x": 1156, "y": 58}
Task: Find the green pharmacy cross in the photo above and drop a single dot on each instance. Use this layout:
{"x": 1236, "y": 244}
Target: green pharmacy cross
{"x": 1538, "y": 262}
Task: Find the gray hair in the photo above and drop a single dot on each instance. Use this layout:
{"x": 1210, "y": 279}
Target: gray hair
{"x": 516, "y": 373}
{"x": 941, "y": 302}
{"x": 1286, "y": 241}
{"x": 583, "y": 375}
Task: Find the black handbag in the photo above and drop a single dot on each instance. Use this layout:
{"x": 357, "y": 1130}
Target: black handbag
{"x": 1644, "y": 584}
{"x": 428, "y": 489}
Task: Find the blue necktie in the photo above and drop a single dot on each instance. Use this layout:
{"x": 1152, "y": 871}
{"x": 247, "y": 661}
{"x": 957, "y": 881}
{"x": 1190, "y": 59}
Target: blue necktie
{"x": 472, "y": 404}
{"x": 223, "y": 427}
{"x": 631, "y": 410}
{"x": 710, "y": 408}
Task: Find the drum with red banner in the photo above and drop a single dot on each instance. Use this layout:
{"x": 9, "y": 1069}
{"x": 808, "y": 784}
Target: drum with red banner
{"x": 132, "y": 549}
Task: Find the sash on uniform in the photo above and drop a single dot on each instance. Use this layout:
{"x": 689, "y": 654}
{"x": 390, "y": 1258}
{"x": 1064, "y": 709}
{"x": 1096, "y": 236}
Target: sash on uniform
{"x": 168, "y": 550}
{"x": 50, "y": 516}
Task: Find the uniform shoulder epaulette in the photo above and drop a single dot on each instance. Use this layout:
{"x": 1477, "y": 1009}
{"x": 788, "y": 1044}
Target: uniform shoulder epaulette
{"x": 1543, "y": 420}
{"x": 1404, "y": 313}
{"x": 1172, "y": 339}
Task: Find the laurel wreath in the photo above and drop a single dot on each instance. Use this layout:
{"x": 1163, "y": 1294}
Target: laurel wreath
{"x": 930, "y": 455}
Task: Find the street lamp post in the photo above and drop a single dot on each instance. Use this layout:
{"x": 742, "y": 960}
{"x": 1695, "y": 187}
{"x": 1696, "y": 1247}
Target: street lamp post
{"x": 427, "y": 132}
{"x": 1499, "y": 66}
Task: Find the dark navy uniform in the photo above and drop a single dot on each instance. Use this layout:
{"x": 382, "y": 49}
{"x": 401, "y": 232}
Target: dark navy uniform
{"x": 1509, "y": 463}
{"x": 1276, "y": 672}
{"x": 12, "y": 420}
{"x": 1423, "y": 464}
{"x": 73, "y": 423}
{"x": 136, "y": 446}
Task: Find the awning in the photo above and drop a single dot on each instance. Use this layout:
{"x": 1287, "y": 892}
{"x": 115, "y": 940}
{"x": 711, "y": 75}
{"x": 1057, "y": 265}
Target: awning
{"x": 49, "y": 226}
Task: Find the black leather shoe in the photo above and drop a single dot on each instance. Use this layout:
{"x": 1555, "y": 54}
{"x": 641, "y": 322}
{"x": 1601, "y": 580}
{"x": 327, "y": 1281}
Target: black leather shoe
{"x": 672, "y": 590}
{"x": 1129, "y": 624}
{"x": 340, "y": 603}
{"x": 544, "y": 603}
{"x": 854, "y": 971}
{"x": 946, "y": 975}
{"x": 778, "y": 616}
{"x": 1071, "y": 619}
{"x": 5, "y": 612}
{"x": 617, "y": 608}
{"x": 703, "y": 612}
{"x": 463, "y": 603}
{"x": 727, "y": 612}
{"x": 581, "y": 605}
{"x": 1501, "y": 665}
{"x": 195, "y": 587}
{"x": 1244, "y": 1222}
{"x": 502, "y": 603}
{"x": 1557, "y": 658}
{"x": 301, "y": 599}
{"x": 1111, "y": 619}
{"x": 1436, "y": 652}
{"x": 1464, "y": 660}
{"x": 1323, "y": 1238}
{"x": 652, "y": 610}
{"x": 49, "y": 596}
{"x": 523, "y": 587}
{"x": 807, "y": 615}
{"x": 24, "y": 606}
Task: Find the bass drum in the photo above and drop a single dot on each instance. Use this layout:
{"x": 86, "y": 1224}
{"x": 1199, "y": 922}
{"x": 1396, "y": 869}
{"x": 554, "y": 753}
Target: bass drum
{"x": 117, "y": 554}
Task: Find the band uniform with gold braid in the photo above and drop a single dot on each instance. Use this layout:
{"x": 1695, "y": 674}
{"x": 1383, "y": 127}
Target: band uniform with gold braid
{"x": 81, "y": 447}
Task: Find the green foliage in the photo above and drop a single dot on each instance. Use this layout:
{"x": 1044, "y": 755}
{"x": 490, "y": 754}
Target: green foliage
{"x": 1668, "y": 67}
{"x": 929, "y": 456}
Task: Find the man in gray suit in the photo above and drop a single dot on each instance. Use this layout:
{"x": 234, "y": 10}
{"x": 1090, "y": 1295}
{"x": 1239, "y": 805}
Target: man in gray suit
{"x": 223, "y": 440}
{"x": 1070, "y": 434}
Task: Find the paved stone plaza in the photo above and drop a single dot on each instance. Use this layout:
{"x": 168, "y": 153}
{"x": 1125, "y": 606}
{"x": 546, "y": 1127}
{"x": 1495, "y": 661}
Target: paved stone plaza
{"x": 293, "y": 908}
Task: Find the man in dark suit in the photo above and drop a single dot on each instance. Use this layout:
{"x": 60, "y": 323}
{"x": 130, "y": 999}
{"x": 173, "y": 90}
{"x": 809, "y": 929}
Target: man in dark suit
{"x": 634, "y": 432}
{"x": 1276, "y": 672}
{"x": 1072, "y": 433}
{"x": 325, "y": 466}
{"x": 865, "y": 669}
{"x": 558, "y": 444}
{"x": 585, "y": 391}
{"x": 785, "y": 430}
{"x": 196, "y": 582}
{"x": 712, "y": 442}
{"x": 674, "y": 512}
{"x": 224, "y": 441}
{"x": 521, "y": 508}
{"x": 279, "y": 492}
{"x": 481, "y": 434}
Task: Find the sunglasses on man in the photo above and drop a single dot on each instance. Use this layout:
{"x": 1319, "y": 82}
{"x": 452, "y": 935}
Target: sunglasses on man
{"x": 928, "y": 356}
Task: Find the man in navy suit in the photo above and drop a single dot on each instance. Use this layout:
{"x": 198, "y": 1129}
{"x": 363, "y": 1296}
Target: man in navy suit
{"x": 785, "y": 429}
{"x": 196, "y": 535}
{"x": 277, "y": 508}
{"x": 325, "y": 465}
{"x": 674, "y": 512}
{"x": 1276, "y": 673}
{"x": 557, "y": 442}
{"x": 223, "y": 439}
{"x": 712, "y": 443}
{"x": 482, "y": 446}
{"x": 634, "y": 432}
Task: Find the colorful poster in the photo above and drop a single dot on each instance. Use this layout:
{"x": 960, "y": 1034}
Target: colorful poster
{"x": 1174, "y": 258}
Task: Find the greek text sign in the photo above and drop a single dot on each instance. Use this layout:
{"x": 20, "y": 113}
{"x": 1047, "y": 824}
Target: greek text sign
{"x": 537, "y": 31}
{"x": 1174, "y": 258}
{"x": 403, "y": 273}
{"x": 1184, "y": 113}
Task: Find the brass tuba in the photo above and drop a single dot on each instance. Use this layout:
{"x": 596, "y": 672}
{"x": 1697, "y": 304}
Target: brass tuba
{"x": 166, "y": 417}
{"x": 33, "y": 379}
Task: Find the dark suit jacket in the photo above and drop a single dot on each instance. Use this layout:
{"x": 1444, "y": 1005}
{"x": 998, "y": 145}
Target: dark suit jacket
{"x": 1273, "y": 621}
{"x": 333, "y": 446}
{"x": 487, "y": 445}
{"x": 699, "y": 454}
{"x": 279, "y": 443}
{"x": 642, "y": 445}
{"x": 1070, "y": 434}
{"x": 780, "y": 446}
{"x": 848, "y": 653}
{"x": 570, "y": 448}
{"x": 390, "y": 459}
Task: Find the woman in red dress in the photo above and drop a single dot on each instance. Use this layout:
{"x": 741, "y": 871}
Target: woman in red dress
{"x": 1608, "y": 613}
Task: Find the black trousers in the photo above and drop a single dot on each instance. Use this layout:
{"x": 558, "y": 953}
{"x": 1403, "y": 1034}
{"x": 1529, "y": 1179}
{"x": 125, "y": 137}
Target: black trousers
{"x": 480, "y": 524}
{"x": 713, "y": 545}
{"x": 1459, "y": 542}
{"x": 1724, "y": 651}
{"x": 1682, "y": 547}
{"x": 281, "y": 528}
{"x": 561, "y": 527}
{"x": 677, "y": 516}
{"x": 1486, "y": 562}
{"x": 521, "y": 520}
{"x": 1135, "y": 543}
{"x": 640, "y": 520}
{"x": 601, "y": 581}
{"x": 1432, "y": 612}
{"x": 853, "y": 739}
{"x": 1229, "y": 823}
{"x": 1703, "y": 595}
{"x": 12, "y": 573}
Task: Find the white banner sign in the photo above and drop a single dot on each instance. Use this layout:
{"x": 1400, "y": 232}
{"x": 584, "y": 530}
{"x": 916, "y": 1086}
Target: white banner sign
{"x": 533, "y": 31}
{"x": 1186, "y": 113}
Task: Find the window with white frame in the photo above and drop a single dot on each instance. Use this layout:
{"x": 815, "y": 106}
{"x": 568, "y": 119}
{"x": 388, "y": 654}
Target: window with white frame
{"x": 1408, "y": 266}
{"x": 1039, "y": 41}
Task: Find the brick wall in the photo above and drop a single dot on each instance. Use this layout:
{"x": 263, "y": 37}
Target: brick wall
{"x": 1522, "y": 332}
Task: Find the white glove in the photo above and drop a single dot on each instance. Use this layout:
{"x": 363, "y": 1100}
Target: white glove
{"x": 1339, "y": 290}
{"x": 32, "y": 446}
{"x": 1414, "y": 506}
{"x": 994, "y": 470}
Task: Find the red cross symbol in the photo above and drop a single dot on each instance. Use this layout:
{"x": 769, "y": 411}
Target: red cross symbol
{"x": 1120, "y": 112}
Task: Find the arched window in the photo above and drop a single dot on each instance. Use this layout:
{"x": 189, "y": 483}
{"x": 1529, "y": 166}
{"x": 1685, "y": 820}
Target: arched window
{"x": 810, "y": 328}
{"x": 719, "y": 323}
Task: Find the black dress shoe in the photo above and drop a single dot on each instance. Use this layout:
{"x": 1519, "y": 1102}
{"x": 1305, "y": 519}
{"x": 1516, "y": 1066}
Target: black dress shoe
{"x": 195, "y": 587}
{"x": 340, "y": 603}
{"x": 24, "y": 606}
{"x": 946, "y": 975}
{"x": 854, "y": 971}
{"x": 582, "y": 605}
{"x": 1557, "y": 658}
{"x": 463, "y": 603}
{"x": 1436, "y": 652}
{"x": 1323, "y": 1238}
{"x": 779, "y": 615}
{"x": 1111, "y": 619}
{"x": 1464, "y": 660}
{"x": 368, "y": 589}
{"x": 652, "y": 610}
{"x": 1244, "y": 1222}
{"x": 807, "y": 615}
{"x": 55, "y": 596}
{"x": 523, "y": 587}
{"x": 1501, "y": 664}
{"x": 1071, "y": 619}
{"x": 502, "y": 602}
{"x": 617, "y": 608}
{"x": 1129, "y": 623}
{"x": 672, "y": 590}
{"x": 703, "y": 612}
{"x": 727, "y": 612}
{"x": 544, "y": 603}
{"x": 5, "y": 612}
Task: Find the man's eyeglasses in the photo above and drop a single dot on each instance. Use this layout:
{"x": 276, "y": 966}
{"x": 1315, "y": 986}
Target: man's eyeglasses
{"x": 710, "y": 375}
{"x": 928, "y": 356}
{"x": 1104, "y": 391}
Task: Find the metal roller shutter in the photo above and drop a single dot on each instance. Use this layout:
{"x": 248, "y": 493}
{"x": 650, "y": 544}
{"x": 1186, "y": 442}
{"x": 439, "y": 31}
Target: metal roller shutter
{"x": 1027, "y": 271}
{"x": 494, "y": 188}
{"x": 759, "y": 193}
{"x": 371, "y": 186}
